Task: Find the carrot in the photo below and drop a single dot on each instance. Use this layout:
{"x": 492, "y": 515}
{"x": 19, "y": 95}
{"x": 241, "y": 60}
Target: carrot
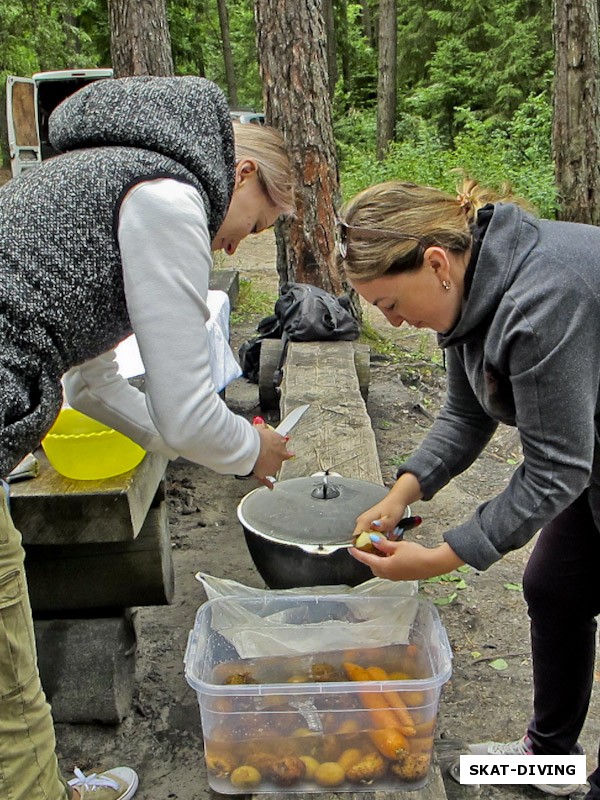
{"x": 411, "y": 698}
{"x": 426, "y": 728}
{"x": 380, "y": 714}
{"x": 395, "y": 701}
{"x": 391, "y": 743}
{"x": 355, "y": 672}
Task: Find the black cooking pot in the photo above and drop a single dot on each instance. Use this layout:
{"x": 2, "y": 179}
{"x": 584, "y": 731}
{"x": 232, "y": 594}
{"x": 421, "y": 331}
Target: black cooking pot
{"x": 299, "y": 532}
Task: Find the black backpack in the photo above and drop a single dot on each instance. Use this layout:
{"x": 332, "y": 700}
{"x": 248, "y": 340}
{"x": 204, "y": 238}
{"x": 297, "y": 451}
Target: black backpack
{"x": 303, "y": 313}
{"x": 310, "y": 314}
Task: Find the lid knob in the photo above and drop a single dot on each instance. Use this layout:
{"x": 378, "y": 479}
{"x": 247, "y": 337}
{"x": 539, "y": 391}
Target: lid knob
{"x": 325, "y": 491}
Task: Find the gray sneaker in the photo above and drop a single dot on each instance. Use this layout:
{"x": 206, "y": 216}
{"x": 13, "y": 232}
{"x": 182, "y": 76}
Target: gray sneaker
{"x": 522, "y": 747}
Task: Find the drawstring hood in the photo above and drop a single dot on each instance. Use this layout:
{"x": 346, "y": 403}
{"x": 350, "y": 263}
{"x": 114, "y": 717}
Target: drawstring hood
{"x": 186, "y": 119}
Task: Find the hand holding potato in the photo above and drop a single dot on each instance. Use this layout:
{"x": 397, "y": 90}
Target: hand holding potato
{"x": 407, "y": 561}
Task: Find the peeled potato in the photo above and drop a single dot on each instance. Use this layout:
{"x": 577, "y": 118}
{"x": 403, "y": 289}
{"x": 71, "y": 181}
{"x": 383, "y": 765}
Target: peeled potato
{"x": 245, "y": 777}
{"x": 363, "y": 542}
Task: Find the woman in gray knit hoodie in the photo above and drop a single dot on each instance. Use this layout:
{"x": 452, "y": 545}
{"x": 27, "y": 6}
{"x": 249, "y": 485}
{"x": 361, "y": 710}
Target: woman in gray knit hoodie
{"x": 515, "y": 301}
{"x": 111, "y": 237}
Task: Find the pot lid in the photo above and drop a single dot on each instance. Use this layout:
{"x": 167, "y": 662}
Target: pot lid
{"x": 319, "y": 510}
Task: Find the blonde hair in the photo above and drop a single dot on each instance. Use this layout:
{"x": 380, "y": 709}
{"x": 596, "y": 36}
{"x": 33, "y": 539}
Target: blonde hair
{"x": 430, "y": 215}
{"x": 265, "y": 145}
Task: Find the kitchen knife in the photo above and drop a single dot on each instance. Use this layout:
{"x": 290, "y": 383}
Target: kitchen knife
{"x": 284, "y": 427}
{"x": 291, "y": 419}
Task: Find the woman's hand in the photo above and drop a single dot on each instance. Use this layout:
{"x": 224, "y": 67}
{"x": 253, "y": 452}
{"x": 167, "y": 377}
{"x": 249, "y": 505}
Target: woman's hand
{"x": 407, "y": 561}
{"x": 273, "y": 452}
{"x": 383, "y": 517}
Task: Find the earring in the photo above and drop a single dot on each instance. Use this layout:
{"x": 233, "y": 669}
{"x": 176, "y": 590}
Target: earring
{"x": 447, "y": 285}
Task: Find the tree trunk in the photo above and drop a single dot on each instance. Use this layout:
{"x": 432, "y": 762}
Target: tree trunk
{"x": 386, "y": 81}
{"x": 328, "y": 17}
{"x": 293, "y": 63}
{"x": 367, "y": 23}
{"x": 72, "y": 37}
{"x": 344, "y": 47}
{"x": 227, "y": 53}
{"x": 576, "y": 123}
{"x": 140, "y": 41}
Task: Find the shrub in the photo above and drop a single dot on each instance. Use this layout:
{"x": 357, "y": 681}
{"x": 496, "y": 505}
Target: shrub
{"x": 491, "y": 151}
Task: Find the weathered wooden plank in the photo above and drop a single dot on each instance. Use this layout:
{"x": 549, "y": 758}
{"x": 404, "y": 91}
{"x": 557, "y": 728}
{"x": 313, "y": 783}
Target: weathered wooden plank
{"x": 228, "y": 281}
{"x": 51, "y": 509}
{"x": 87, "y": 667}
{"x": 269, "y": 393}
{"x": 69, "y": 578}
{"x": 335, "y": 433}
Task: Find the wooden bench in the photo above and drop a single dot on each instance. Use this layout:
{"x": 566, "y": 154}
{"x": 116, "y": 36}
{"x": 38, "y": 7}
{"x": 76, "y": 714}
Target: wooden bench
{"x": 271, "y": 353}
{"x": 93, "y": 550}
{"x": 335, "y": 433}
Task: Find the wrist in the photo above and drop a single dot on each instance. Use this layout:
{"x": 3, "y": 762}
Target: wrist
{"x": 406, "y": 490}
{"x": 443, "y": 559}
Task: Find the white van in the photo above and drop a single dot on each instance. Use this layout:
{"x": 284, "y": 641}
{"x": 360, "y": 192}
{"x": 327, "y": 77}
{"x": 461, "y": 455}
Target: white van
{"x": 29, "y": 102}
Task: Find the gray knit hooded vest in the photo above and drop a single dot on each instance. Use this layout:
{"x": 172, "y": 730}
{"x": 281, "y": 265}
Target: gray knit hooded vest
{"x": 62, "y": 299}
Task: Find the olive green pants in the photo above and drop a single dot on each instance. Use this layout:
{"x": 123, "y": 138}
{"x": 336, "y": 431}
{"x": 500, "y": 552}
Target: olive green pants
{"x": 28, "y": 764}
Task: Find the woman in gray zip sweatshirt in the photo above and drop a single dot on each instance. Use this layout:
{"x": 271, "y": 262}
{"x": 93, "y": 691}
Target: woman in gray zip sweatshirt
{"x": 515, "y": 301}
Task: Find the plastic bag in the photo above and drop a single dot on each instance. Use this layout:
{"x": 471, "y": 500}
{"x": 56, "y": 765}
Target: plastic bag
{"x": 381, "y": 622}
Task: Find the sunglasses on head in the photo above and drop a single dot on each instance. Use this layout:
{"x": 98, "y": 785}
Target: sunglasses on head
{"x": 341, "y": 235}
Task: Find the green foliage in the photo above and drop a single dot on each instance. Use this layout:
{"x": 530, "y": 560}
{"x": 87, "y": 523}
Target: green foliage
{"x": 358, "y": 60}
{"x": 197, "y": 46}
{"x": 252, "y": 302}
{"x": 491, "y": 151}
{"x": 378, "y": 343}
{"x": 37, "y": 36}
{"x": 473, "y": 80}
{"x": 490, "y": 56}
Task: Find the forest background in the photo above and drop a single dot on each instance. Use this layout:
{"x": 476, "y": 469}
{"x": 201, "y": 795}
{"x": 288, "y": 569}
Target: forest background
{"x": 474, "y": 80}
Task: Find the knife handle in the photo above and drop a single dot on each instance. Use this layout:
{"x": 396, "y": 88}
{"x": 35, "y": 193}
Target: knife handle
{"x": 404, "y": 525}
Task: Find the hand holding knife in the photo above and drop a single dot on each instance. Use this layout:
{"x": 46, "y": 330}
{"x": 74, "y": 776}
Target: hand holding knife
{"x": 406, "y": 524}
{"x": 283, "y": 429}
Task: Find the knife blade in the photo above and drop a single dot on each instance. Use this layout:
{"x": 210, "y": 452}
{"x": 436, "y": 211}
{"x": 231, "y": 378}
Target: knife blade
{"x": 291, "y": 419}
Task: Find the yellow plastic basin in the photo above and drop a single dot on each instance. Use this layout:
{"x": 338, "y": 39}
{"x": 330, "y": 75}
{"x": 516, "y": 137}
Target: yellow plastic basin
{"x": 81, "y": 448}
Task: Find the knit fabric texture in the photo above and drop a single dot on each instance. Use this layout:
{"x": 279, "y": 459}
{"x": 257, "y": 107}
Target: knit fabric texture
{"x": 62, "y": 299}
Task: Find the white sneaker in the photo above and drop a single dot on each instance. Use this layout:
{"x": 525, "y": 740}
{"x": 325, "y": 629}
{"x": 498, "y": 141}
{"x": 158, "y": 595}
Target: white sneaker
{"x": 522, "y": 747}
{"x": 120, "y": 783}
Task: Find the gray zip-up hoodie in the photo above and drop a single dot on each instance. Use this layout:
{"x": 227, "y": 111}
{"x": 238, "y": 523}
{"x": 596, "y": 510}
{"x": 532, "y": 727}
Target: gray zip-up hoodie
{"x": 62, "y": 299}
{"x": 526, "y": 352}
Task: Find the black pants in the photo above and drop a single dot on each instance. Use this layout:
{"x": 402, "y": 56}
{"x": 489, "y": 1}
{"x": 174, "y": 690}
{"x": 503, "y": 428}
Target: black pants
{"x": 562, "y": 591}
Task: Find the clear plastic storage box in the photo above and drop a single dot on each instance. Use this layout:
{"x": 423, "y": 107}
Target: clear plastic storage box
{"x": 306, "y": 693}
